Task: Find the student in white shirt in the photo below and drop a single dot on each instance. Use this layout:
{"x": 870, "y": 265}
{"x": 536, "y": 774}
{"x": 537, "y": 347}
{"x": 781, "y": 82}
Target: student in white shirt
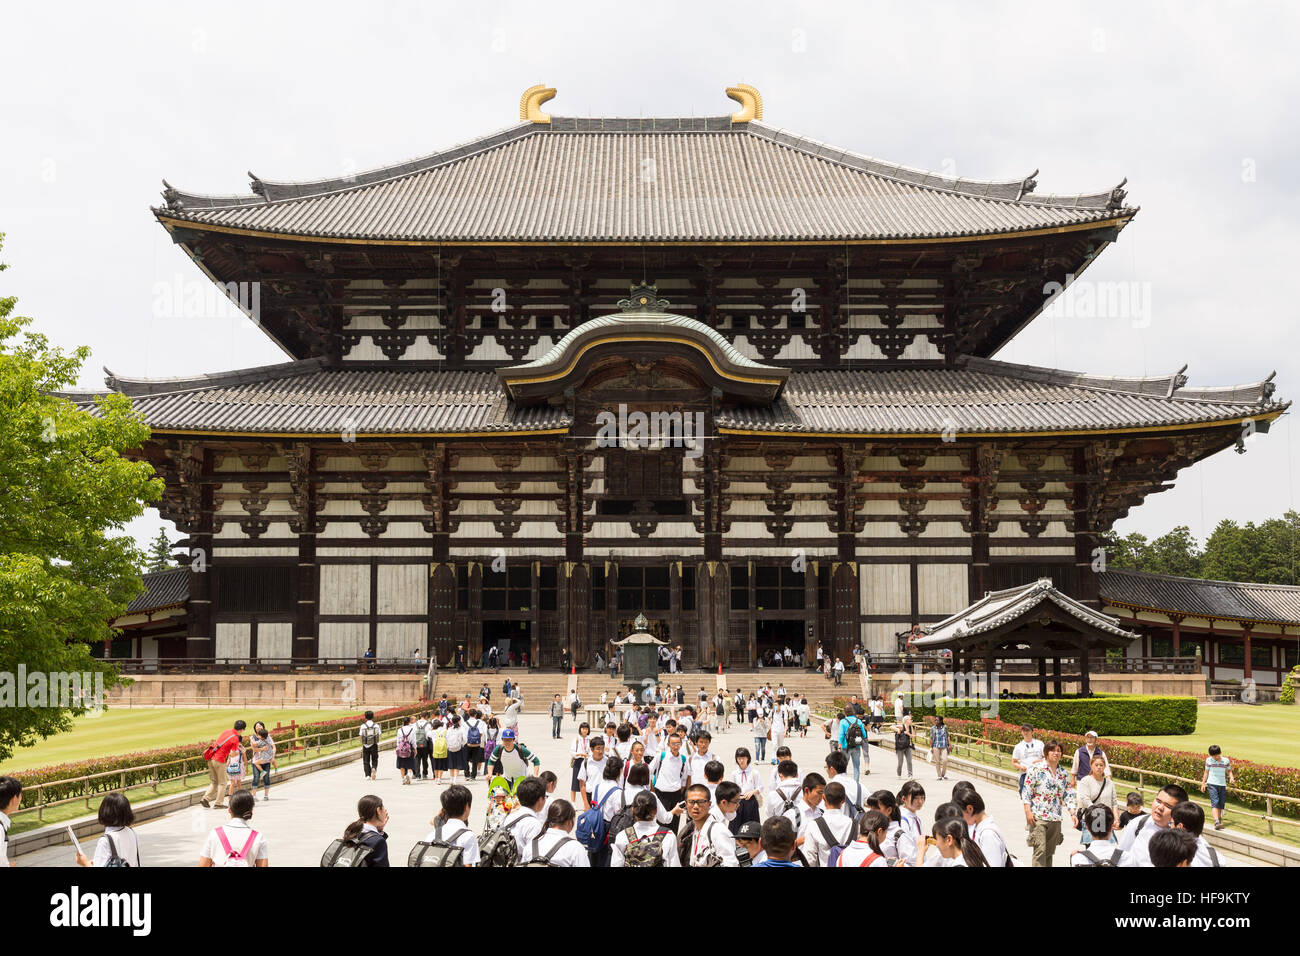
{"x": 911, "y": 798}
{"x": 451, "y": 824}
{"x": 579, "y": 751}
{"x": 784, "y": 794}
{"x": 751, "y": 789}
{"x": 116, "y": 815}
{"x": 710, "y": 840}
{"x": 668, "y": 774}
{"x": 592, "y": 770}
{"x": 525, "y": 821}
{"x": 868, "y": 849}
{"x": 11, "y": 796}
{"x": 808, "y": 808}
{"x": 983, "y": 830}
{"x": 855, "y": 798}
{"x": 245, "y": 843}
{"x": 650, "y": 825}
{"x": 782, "y": 753}
{"x": 833, "y": 828}
{"x": 555, "y": 843}
{"x": 638, "y": 781}
{"x": 953, "y": 844}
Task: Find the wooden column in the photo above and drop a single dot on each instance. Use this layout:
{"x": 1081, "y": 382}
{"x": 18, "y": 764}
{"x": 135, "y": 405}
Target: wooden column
{"x": 535, "y": 618}
{"x": 1249, "y": 672}
{"x": 845, "y": 601}
{"x": 1056, "y": 676}
{"x": 1177, "y": 644}
{"x": 1042, "y": 677}
{"x": 810, "y": 636}
{"x": 1085, "y": 685}
{"x": 675, "y": 602}
{"x": 1084, "y": 539}
{"x": 200, "y": 633}
{"x": 442, "y": 611}
{"x": 475, "y": 635}
{"x": 573, "y": 602}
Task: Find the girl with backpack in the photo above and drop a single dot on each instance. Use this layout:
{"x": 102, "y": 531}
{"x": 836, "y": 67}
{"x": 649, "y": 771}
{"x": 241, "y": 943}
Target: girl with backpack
{"x": 263, "y": 759}
{"x": 887, "y": 804}
{"x": 438, "y": 749}
{"x": 751, "y": 789}
{"x": 868, "y": 850}
{"x": 555, "y": 845}
{"x": 368, "y": 828}
{"x": 647, "y": 842}
{"x": 455, "y": 749}
{"x": 608, "y": 802}
{"x": 235, "y": 768}
{"x": 235, "y": 843}
{"x": 451, "y": 824}
{"x": 119, "y": 846}
{"x": 579, "y": 751}
{"x": 405, "y": 750}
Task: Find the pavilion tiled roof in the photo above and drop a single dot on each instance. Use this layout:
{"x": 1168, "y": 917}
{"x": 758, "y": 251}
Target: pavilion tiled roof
{"x": 1002, "y": 607}
{"x": 644, "y": 180}
{"x": 976, "y": 396}
{"x": 162, "y": 589}
{"x": 1198, "y": 597}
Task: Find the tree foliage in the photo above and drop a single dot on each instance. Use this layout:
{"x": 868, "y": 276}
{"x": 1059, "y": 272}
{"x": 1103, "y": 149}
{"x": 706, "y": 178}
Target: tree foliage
{"x": 66, "y": 568}
{"x": 159, "y": 557}
{"x": 1266, "y": 553}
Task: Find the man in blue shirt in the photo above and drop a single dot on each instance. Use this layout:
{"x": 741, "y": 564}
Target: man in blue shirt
{"x": 778, "y": 843}
{"x": 853, "y": 741}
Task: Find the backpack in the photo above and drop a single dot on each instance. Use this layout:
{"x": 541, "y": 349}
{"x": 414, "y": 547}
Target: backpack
{"x": 853, "y": 736}
{"x": 833, "y": 859}
{"x": 370, "y": 735}
{"x": 498, "y": 847}
{"x": 235, "y": 857}
{"x": 347, "y": 853}
{"x": 721, "y": 709}
{"x": 592, "y": 827}
{"x": 421, "y": 734}
{"x": 474, "y": 736}
{"x": 435, "y": 852}
{"x": 545, "y": 860}
{"x": 622, "y": 820}
{"x": 440, "y": 745}
{"x": 235, "y": 763}
{"x": 403, "y": 748}
{"x": 647, "y": 850}
{"x": 115, "y": 860}
{"x": 1113, "y": 861}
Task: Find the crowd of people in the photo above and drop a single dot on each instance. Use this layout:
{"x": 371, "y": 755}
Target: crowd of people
{"x": 648, "y": 788}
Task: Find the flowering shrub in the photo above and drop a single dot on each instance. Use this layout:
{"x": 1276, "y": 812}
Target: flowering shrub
{"x": 135, "y": 768}
{"x": 1289, "y": 685}
{"x": 1261, "y": 778}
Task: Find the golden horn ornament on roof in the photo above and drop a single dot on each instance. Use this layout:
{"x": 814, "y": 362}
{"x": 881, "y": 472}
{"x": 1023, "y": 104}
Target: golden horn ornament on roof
{"x": 750, "y": 100}
{"x": 530, "y": 104}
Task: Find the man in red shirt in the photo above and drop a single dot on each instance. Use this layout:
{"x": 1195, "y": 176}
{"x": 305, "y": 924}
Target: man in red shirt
{"x": 217, "y": 754}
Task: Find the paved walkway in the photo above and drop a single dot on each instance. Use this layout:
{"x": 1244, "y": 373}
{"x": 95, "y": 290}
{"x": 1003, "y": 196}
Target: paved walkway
{"x": 305, "y": 814}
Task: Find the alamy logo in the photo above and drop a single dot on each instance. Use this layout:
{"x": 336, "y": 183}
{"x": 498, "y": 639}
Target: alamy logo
{"x": 76, "y": 909}
{"x": 655, "y": 430}
{"x": 59, "y": 689}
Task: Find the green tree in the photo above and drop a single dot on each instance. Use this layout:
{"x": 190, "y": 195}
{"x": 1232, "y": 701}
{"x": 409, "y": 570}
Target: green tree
{"x": 1130, "y": 552}
{"x": 65, "y": 568}
{"x": 1175, "y": 552}
{"x": 1229, "y": 552}
{"x": 160, "y": 553}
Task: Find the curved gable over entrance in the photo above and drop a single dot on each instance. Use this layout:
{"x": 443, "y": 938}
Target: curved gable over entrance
{"x": 644, "y": 334}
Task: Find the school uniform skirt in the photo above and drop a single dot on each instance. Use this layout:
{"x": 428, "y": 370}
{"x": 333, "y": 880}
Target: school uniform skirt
{"x": 456, "y": 760}
{"x": 441, "y": 763}
{"x": 577, "y": 765}
{"x": 406, "y": 763}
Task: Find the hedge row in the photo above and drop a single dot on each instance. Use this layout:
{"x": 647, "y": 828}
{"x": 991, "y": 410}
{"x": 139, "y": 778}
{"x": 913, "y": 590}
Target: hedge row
{"x": 1289, "y": 685}
{"x": 1261, "y": 778}
{"x": 1129, "y": 714}
{"x": 137, "y": 769}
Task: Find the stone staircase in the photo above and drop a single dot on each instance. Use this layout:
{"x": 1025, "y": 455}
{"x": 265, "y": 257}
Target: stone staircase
{"x": 539, "y": 687}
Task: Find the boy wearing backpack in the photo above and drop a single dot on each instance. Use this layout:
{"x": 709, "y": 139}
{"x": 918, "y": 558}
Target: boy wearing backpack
{"x": 853, "y": 742}
{"x": 474, "y": 731}
{"x": 450, "y": 832}
{"x": 236, "y": 843}
{"x": 831, "y": 832}
{"x": 837, "y": 765}
{"x": 1098, "y": 820}
{"x": 591, "y": 770}
{"x": 370, "y": 734}
{"x": 423, "y": 749}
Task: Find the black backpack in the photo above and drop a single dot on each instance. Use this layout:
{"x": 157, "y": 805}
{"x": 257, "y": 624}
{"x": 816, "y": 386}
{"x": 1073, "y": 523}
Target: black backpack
{"x": 498, "y": 848}
{"x": 853, "y": 735}
{"x": 1093, "y": 861}
{"x": 546, "y": 859}
{"x": 347, "y": 853}
{"x": 114, "y": 859}
{"x": 435, "y": 852}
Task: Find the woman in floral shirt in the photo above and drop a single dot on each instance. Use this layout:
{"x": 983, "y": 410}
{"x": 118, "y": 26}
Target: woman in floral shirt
{"x": 1048, "y": 796}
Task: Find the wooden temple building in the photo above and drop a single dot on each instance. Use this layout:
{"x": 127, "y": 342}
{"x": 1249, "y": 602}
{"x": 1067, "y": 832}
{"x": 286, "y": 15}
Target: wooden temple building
{"x": 426, "y": 469}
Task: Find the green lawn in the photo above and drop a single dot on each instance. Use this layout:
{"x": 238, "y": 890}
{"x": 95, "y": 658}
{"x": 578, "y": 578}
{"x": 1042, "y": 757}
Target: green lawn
{"x": 1264, "y": 733}
{"x": 123, "y": 730}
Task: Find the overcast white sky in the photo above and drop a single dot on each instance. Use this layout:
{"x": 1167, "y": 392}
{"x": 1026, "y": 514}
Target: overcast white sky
{"x": 1195, "y": 104}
